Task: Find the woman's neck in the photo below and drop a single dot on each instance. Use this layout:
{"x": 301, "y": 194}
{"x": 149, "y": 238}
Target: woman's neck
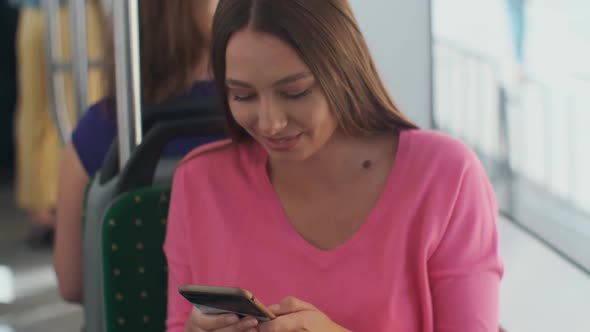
{"x": 340, "y": 162}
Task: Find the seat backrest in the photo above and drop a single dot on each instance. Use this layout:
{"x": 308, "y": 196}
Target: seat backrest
{"x": 106, "y": 186}
{"x": 133, "y": 263}
{"x": 157, "y": 114}
{"x": 98, "y": 198}
{"x": 138, "y": 174}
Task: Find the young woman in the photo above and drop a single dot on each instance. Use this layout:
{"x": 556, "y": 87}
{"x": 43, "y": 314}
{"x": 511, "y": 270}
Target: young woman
{"x": 328, "y": 201}
{"x": 174, "y": 65}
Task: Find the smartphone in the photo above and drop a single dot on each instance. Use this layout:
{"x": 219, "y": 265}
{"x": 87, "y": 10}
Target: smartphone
{"x": 225, "y": 300}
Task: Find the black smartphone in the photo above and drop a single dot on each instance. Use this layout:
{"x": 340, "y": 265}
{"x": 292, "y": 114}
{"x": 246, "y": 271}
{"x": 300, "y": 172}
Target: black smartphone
{"x": 225, "y": 300}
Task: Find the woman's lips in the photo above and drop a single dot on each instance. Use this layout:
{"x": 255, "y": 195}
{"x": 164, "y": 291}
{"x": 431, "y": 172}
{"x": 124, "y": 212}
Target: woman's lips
{"x": 283, "y": 143}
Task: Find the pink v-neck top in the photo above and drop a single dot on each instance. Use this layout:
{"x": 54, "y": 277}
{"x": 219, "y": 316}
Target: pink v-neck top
{"x": 425, "y": 259}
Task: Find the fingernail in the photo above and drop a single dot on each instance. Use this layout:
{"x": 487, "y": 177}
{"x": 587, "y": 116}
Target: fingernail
{"x": 232, "y": 319}
{"x": 250, "y": 322}
{"x": 274, "y": 307}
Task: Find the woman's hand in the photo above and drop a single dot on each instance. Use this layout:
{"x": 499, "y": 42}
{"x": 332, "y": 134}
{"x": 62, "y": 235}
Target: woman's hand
{"x": 199, "y": 322}
{"x": 295, "y": 315}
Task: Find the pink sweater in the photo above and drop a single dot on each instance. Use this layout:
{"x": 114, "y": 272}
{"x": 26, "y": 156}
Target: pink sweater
{"x": 426, "y": 258}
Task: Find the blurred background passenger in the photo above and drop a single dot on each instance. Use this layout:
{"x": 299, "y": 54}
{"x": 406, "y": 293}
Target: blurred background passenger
{"x": 38, "y": 144}
{"x": 174, "y": 66}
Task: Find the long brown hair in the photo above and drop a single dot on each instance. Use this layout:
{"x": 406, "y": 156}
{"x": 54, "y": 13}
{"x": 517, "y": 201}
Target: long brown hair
{"x": 174, "y": 38}
{"x": 327, "y": 37}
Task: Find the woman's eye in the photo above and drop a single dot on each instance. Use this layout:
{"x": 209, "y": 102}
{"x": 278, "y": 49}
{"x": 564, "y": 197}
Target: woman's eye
{"x": 241, "y": 95}
{"x": 297, "y": 95}
{"x": 244, "y": 97}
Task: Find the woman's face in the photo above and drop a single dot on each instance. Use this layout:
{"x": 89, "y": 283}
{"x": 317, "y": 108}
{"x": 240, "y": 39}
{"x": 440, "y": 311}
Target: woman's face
{"x": 274, "y": 96}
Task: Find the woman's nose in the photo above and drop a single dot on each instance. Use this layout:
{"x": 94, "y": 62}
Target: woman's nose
{"x": 272, "y": 120}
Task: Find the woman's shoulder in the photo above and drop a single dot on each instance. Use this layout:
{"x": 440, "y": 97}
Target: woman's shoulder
{"x": 437, "y": 150}
{"x": 94, "y": 134}
{"x": 222, "y": 157}
{"x": 96, "y": 123}
{"x": 99, "y": 113}
{"x": 208, "y": 153}
{"x": 450, "y": 176}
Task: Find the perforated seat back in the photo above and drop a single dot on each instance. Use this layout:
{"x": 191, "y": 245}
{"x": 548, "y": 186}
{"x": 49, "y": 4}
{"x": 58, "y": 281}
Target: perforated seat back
{"x": 134, "y": 267}
{"x": 108, "y": 198}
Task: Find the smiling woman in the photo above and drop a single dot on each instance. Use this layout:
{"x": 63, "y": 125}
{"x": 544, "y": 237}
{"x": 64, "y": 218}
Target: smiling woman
{"x": 274, "y": 96}
{"x": 350, "y": 68}
{"x": 353, "y": 219}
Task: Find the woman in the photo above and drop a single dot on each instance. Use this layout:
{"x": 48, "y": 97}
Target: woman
{"x": 328, "y": 201}
{"x": 37, "y": 143}
{"x": 173, "y": 66}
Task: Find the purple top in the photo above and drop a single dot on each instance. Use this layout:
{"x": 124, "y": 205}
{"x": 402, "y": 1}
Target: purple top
{"x": 96, "y": 131}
